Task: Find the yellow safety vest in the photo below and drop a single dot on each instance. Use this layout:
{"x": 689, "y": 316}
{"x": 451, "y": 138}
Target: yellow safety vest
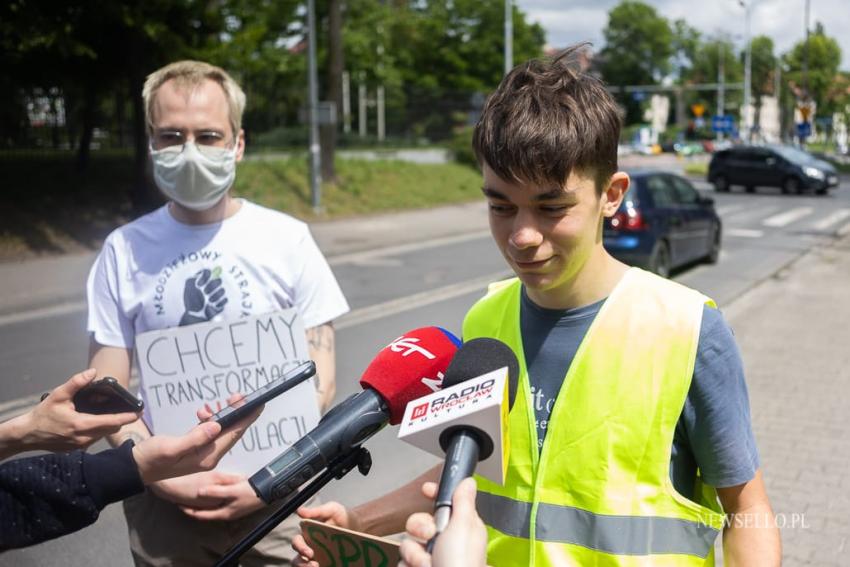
{"x": 599, "y": 492}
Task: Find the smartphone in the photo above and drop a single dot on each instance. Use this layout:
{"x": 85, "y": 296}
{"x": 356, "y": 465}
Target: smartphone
{"x": 230, "y": 415}
{"x": 106, "y": 396}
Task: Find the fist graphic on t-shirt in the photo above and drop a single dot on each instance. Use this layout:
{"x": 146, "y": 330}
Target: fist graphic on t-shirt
{"x": 203, "y": 297}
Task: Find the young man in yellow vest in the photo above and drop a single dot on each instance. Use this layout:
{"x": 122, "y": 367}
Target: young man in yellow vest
{"x": 631, "y": 425}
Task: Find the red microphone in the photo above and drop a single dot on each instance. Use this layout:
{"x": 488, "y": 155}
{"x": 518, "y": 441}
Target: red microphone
{"x": 410, "y": 367}
{"x": 392, "y": 373}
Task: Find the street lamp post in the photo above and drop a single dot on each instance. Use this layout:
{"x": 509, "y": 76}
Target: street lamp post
{"x": 313, "y": 94}
{"x": 509, "y": 36}
{"x": 747, "y": 67}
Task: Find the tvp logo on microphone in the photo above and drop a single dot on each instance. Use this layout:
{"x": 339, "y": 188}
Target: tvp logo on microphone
{"x": 480, "y": 402}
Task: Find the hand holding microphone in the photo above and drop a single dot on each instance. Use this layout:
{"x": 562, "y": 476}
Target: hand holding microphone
{"x": 462, "y": 544}
{"x": 467, "y": 420}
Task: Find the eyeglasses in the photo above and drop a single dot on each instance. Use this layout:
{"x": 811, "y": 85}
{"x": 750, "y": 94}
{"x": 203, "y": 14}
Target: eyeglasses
{"x": 176, "y": 139}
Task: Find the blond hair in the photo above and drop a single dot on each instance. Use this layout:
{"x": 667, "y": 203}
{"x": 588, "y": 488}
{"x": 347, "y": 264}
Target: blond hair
{"x": 191, "y": 75}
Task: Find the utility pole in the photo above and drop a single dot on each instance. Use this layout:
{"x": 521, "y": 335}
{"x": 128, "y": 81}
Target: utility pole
{"x": 509, "y": 36}
{"x": 806, "y": 56}
{"x": 748, "y": 62}
{"x": 721, "y": 80}
{"x": 315, "y": 150}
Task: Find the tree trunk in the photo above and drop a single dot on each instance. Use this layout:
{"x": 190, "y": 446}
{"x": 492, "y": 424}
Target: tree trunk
{"x": 89, "y": 109}
{"x": 143, "y": 197}
{"x": 328, "y": 132}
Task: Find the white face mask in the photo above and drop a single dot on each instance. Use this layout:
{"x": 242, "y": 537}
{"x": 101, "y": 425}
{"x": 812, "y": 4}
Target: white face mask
{"x": 196, "y": 177}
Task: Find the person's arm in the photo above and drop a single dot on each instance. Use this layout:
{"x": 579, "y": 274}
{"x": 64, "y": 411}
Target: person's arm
{"x": 751, "y": 537}
{"x": 383, "y": 516}
{"x": 321, "y": 343}
{"x": 462, "y": 544}
{"x": 48, "y": 496}
{"x": 55, "y": 425}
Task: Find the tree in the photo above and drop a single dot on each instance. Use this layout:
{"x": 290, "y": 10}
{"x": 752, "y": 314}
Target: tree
{"x": 686, "y": 44}
{"x": 638, "y": 49}
{"x": 706, "y": 68}
{"x": 824, "y": 60}
{"x": 762, "y": 69}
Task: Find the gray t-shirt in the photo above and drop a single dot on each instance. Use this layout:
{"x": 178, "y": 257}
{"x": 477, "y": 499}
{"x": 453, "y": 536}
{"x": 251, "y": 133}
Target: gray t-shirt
{"x": 714, "y": 431}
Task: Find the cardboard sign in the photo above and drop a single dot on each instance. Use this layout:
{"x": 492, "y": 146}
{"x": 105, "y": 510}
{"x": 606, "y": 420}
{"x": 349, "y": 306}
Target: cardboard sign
{"x": 339, "y": 547}
{"x": 183, "y": 368}
{"x": 480, "y": 402}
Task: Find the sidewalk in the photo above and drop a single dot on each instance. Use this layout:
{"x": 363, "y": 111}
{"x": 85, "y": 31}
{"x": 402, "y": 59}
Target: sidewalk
{"x": 794, "y": 336}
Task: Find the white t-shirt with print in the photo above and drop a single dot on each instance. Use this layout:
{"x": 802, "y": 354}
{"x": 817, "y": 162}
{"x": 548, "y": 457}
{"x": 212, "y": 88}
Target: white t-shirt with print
{"x": 157, "y": 273}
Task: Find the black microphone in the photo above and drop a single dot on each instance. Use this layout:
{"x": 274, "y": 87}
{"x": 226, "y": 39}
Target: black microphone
{"x": 466, "y": 445}
{"x": 402, "y": 371}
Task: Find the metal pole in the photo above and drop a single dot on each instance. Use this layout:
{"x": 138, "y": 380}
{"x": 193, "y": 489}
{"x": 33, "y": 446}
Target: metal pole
{"x": 806, "y": 56}
{"x": 509, "y": 36}
{"x": 361, "y": 108}
{"x": 721, "y": 78}
{"x": 747, "y": 68}
{"x": 382, "y": 128}
{"x": 315, "y": 153}
{"x": 346, "y": 102}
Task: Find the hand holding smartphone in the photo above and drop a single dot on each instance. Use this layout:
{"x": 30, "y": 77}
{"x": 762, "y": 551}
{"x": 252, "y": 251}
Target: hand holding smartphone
{"x": 230, "y": 415}
{"x": 106, "y": 396}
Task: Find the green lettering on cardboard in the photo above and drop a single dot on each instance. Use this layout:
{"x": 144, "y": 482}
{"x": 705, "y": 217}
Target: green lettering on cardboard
{"x": 370, "y": 546}
{"x": 315, "y": 533}
{"x": 349, "y": 557}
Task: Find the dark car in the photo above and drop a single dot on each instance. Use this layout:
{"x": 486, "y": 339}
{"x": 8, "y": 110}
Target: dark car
{"x": 786, "y": 167}
{"x": 663, "y": 223}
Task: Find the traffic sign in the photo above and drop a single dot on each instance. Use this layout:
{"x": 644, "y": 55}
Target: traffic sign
{"x": 724, "y": 124}
{"x": 698, "y": 109}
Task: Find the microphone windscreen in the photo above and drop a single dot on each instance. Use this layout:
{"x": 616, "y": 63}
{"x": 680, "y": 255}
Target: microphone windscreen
{"x": 410, "y": 367}
{"x": 479, "y": 356}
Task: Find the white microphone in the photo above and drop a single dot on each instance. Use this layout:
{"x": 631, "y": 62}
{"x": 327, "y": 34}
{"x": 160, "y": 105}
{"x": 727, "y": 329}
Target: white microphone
{"x": 467, "y": 420}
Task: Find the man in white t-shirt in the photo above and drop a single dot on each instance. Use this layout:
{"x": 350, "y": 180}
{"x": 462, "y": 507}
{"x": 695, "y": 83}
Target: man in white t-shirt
{"x": 204, "y": 256}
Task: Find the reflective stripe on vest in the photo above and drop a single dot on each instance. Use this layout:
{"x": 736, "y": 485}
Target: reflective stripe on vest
{"x": 619, "y": 535}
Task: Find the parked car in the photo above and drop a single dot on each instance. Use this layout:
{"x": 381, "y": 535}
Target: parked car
{"x": 662, "y": 224}
{"x": 786, "y": 167}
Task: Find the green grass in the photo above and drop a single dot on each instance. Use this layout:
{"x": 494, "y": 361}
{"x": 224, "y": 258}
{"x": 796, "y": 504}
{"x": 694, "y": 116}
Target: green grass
{"x": 55, "y": 209}
{"x": 699, "y": 168}
{"x": 362, "y": 186}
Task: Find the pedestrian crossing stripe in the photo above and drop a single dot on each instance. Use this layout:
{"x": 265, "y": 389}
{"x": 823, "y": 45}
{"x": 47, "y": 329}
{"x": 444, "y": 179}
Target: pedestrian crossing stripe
{"x": 833, "y": 218}
{"x": 786, "y": 218}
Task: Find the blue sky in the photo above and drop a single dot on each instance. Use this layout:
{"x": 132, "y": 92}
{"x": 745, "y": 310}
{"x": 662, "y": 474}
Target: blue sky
{"x": 570, "y": 21}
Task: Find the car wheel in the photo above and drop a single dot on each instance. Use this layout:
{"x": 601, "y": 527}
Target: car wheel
{"x": 714, "y": 252}
{"x": 750, "y": 189}
{"x": 822, "y": 191}
{"x": 660, "y": 261}
{"x": 721, "y": 184}
{"x": 791, "y": 185}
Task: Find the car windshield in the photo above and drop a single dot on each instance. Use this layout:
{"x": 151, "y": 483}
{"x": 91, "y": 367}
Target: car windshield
{"x": 793, "y": 154}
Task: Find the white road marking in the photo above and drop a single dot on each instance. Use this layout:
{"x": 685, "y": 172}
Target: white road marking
{"x": 377, "y": 257}
{"x": 353, "y": 318}
{"x": 834, "y": 218}
{"x": 744, "y": 232}
{"x": 729, "y": 209}
{"x": 750, "y": 213}
{"x": 43, "y": 312}
{"x": 358, "y": 257}
{"x": 844, "y": 230}
{"x": 786, "y": 218}
{"x": 417, "y": 300}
